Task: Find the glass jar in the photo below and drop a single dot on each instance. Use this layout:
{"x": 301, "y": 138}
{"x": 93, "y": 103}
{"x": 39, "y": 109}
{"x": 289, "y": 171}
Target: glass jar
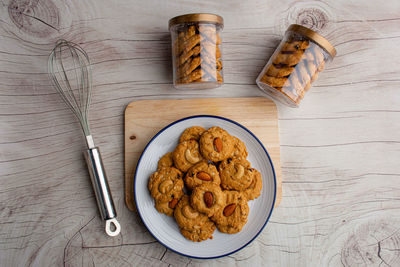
{"x": 295, "y": 65}
{"x": 196, "y": 51}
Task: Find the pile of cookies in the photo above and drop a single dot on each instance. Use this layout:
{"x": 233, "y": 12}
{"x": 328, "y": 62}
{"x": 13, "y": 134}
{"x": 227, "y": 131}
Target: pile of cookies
{"x": 294, "y": 67}
{"x": 205, "y": 183}
{"x": 197, "y": 54}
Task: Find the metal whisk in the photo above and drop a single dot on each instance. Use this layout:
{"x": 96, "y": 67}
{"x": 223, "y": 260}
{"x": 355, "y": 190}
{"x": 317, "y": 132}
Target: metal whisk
{"x": 69, "y": 68}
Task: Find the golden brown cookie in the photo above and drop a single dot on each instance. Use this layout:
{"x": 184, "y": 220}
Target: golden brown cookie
{"x": 219, "y": 65}
{"x": 274, "y": 81}
{"x": 254, "y": 190}
{"x": 189, "y": 43}
{"x": 279, "y": 70}
{"x": 216, "y": 144}
{"x": 166, "y": 207}
{"x": 186, "y": 55}
{"x": 197, "y": 235}
{"x": 295, "y": 46}
{"x": 239, "y": 148}
{"x": 189, "y": 66}
{"x": 166, "y": 184}
{"x": 166, "y": 161}
{"x": 236, "y": 174}
{"x": 194, "y": 76}
{"x": 202, "y": 173}
{"x": 207, "y": 198}
{"x": 182, "y": 37}
{"x": 192, "y": 133}
{"x": 194, "y": 225}
{"x": 288, "y": 58}
{"x": 233, "y": 216}
{"x": 186, "y": 154}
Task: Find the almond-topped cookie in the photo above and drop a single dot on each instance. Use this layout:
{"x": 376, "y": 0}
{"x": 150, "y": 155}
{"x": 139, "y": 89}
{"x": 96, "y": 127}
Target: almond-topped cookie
{"x": 235, "y": 174}
{"x": 202, "y": 173}
{"x": 233, "y": 216}
{"x": 186, "y": 154}
{"x": 207, "y": 198}
{"x": 216, "y": 144}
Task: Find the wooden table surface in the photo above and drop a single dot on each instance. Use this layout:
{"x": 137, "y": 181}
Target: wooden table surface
{"x": 340, "y": 151}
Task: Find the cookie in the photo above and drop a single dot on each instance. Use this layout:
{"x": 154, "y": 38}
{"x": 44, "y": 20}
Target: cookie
{"x": 254, "y": 190}
{"x": 186, "y": 154}
{"x": 166, "y": 184}
{"x": 194, "y": 225}
{"x": 233, "y": 216}
{"x": 182, "y": 37}
{"x": 166, "y": 161}
{"x": 192, "y": 133}
{"x": 216, "y": 144}
{"x": 194, "y": 76}
{"x": 236, "y": 174}
{"x": 207, "y": 198}
{"x": 274, "y": 81}
{"x": 295, "y": 46}
{"x": 202, "y": 173}
{"x": 197, "y": 235}
{"x": 185, "y": 56}
{"x": 189, "y": 43}
{"x": 279, "y": 70}
{"x": 239, "y": 148}
{"x": 166, "y": 207}
{"x": 189, "y": 66}
{"x": 288, "y": 57}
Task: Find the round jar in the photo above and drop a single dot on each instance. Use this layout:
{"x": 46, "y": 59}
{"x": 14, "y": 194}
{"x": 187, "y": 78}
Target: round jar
{"x": 295, "y": 65}
{"x": 196, "y": 51}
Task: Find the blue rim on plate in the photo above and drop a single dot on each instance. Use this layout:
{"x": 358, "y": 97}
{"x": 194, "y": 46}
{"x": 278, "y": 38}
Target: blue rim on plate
{"x": 244, "y": 128}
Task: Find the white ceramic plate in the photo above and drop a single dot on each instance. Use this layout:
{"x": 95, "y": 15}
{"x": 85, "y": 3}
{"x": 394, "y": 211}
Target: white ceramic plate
{"x": 165, "y": 229}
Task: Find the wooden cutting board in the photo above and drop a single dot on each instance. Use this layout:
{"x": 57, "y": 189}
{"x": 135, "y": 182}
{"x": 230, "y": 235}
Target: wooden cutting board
{"x": 144, "y": 118}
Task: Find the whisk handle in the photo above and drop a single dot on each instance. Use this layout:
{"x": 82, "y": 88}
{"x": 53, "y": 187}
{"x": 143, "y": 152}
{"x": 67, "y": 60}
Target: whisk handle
{"x": 102, "y": 190}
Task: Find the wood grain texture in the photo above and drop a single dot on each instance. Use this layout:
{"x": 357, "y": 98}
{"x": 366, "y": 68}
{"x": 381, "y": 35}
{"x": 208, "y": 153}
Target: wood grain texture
{"x": 339, "y": 151}
{"x": 143, "y": 119}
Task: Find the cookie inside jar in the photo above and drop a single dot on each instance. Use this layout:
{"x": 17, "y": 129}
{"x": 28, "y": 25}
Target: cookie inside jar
{"x": 295, "y": 65}
{"x": 196, "y": 51}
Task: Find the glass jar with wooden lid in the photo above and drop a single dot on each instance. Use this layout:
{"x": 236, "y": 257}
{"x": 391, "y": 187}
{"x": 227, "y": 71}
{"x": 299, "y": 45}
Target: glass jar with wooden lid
{"x": 295, "y": 65}
{"x": 196, "y": 51}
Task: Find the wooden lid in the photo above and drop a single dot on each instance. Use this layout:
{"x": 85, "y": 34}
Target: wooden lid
{"x": 196, "y": 17}
{"x": 314, "y": 36}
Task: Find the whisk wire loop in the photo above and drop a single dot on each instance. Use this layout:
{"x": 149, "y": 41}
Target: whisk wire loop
{"x": 69, "y": 69}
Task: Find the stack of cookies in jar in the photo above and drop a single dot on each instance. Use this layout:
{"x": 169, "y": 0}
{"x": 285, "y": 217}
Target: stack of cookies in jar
{"x": 205, "y": 183}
